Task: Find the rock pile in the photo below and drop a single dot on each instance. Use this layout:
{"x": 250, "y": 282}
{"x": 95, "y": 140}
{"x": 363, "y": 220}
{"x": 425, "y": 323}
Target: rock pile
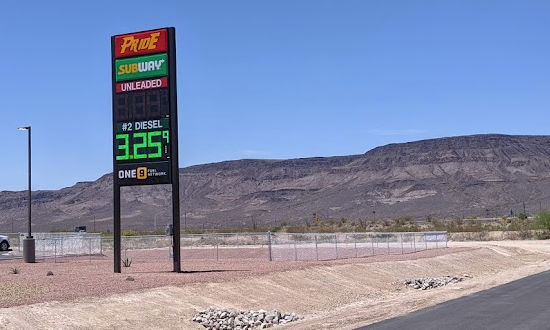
{"x": 427, "y": 283}
{"x": 226, "y": 319}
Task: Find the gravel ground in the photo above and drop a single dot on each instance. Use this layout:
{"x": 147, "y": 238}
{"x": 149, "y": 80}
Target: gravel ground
{"x": 343, "y": 294}
{"x": 84, "y": 276}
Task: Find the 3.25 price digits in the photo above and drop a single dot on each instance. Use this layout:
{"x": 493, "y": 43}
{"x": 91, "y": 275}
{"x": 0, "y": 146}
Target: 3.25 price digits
{"x": 142, "y": 145}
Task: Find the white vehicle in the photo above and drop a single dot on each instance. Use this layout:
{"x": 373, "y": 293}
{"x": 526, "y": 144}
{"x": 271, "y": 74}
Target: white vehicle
{"x": 4, "y": 243}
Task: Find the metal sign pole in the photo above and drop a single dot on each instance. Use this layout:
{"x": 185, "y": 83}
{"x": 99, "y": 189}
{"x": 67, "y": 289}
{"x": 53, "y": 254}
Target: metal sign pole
{"x": 116, "y": 186}
{"x": 116, "y": 229}
{"x": 174, "y": 150}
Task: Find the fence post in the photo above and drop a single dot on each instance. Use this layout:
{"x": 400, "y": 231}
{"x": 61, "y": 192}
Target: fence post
{"x": 436, "y": 241}
{"x": 401, "y": 236}
{"x": 55, "y": 251}
{"x": 316, "y": 251}
{"x": 425, "y": 241}
{"x": 336, "y": 244}
{"x": 446, "y": 239}
{"x": 414, "y": 242}
{"x": 388, "y": 242}
{"x": 269, "y": 245}
{"x": 295, "y": 250}
{"x": 90, "y": 248}
{"x": 355, "y": 242}
{"x": 372, "y": 242}
{"x": 101, "y": 244}
{"x": 217, "y": 243}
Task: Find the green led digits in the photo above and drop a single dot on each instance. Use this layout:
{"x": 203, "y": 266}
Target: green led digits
{"x": 123, "y": 146}
{"x": 137, "y": 146}
{"x": 157, "y": 145}
{"x": 141, "y": 145}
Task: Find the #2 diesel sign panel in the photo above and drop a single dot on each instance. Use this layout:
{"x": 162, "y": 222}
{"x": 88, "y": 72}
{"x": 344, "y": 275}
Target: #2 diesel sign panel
{"x": 142, "y": 43}
{"x": 141, "y": 67}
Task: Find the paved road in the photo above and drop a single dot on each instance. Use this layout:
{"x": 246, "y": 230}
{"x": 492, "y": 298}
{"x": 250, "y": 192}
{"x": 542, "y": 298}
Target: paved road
{"x": 522, "y": 304}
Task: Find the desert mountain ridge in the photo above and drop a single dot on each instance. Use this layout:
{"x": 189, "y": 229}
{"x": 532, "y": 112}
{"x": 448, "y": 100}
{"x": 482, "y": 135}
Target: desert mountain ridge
{"x": 475, "y": 175}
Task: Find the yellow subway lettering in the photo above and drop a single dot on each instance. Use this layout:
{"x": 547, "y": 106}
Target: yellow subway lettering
{"x": 122, "y": 69}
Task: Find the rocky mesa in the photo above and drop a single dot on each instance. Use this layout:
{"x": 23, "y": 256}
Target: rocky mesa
{"x": 477, "y": 175}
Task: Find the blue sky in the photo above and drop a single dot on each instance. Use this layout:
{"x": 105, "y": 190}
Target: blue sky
{"x": 272, "y": 79}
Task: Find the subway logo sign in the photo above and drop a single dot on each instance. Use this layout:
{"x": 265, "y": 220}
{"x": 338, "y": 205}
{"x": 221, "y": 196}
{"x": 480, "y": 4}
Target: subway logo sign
{"x": 142, "y": 43}
{"x": 141, "y": 67}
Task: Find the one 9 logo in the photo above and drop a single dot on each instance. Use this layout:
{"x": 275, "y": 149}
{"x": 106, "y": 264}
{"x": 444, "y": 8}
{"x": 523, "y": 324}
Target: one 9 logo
{"x": 142, "y": 173}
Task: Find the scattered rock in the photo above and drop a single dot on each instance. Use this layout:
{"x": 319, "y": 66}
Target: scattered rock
{"x": 217, "y": 318}
{"x": 427, "y": 283}
{"x": 49, "y": 273}
{"x": 129, "y": 278}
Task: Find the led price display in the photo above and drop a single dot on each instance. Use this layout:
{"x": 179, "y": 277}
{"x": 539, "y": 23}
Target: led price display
{"x": 150, "y": 104}
{"x": 142, "y": 140}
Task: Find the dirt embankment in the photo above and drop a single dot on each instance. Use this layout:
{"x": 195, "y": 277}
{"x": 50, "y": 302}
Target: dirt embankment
{"x": 330, "y": 295}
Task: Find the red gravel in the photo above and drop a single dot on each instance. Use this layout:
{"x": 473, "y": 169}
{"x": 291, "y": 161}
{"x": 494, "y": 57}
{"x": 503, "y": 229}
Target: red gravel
{"x": 78, "y": 277}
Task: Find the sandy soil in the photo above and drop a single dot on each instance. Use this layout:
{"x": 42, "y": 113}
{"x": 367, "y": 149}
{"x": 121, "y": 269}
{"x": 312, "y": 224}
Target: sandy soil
{"x": 336, "y": 294}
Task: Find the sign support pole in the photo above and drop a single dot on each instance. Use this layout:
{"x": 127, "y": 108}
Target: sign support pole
{"x": 176, "y": 222}
{"x": 116, "y": 186}
{"x": 174, "y": 148}
{"x": 116, "y": 228}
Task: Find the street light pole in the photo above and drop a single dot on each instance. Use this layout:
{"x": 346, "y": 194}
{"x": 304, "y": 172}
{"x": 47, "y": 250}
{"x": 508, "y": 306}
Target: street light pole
{"x": 28, "y": 243}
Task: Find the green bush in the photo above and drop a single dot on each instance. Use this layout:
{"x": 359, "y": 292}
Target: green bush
{"x": 542, "y": 220}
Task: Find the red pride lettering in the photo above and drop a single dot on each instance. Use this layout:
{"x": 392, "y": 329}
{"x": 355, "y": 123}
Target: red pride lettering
{"x": 141, "y": 43}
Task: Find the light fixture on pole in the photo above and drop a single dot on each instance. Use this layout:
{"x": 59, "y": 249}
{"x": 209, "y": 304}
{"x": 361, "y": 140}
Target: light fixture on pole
{"x": 28, "y": 242}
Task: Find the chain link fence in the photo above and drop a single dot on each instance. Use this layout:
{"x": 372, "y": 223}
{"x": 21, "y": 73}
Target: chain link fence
{"x": 54, "y": 245}
{"x": 288, "y": 246}
{"x": 351, "y": 245}
{"x": 227, "y": 246}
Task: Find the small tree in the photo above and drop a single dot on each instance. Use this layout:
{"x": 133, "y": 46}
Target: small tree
{"x": 542, "y": 220}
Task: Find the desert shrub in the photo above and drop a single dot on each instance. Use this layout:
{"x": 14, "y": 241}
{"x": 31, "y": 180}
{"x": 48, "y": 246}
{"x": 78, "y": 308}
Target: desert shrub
{"x": 542, "y": 220}
{"x": 126, "y": 262}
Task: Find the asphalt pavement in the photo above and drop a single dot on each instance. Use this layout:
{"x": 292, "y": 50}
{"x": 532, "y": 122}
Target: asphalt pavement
{"x": 521, "y": 304}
